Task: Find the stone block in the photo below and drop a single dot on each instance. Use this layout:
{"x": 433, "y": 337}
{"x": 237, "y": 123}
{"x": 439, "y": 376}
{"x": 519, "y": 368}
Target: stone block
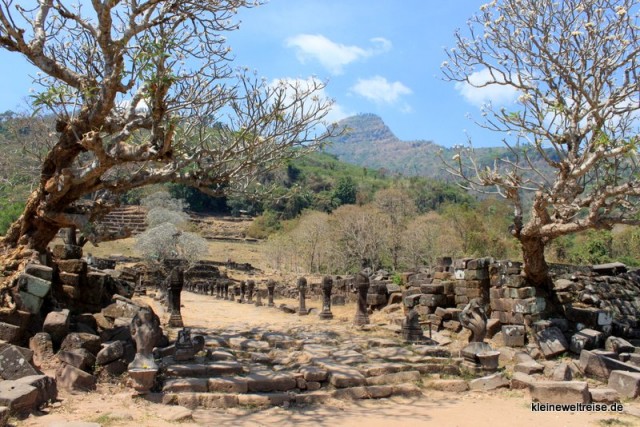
{"x": 490, "y": 382}
{"x": 590, "y": 317}
{"x": 586, "y": 339}
{"x": 345, "y": 376}
{"x": 619, "y": 345}
{"x": 41, "y": 271}
{"x": 34, "y": 285}
{"x": 314, "y": 373}
{"x": 186, "y": 385}
{"x": 392, "y": 287}
{"x": 452, "y": 325}
{"x": 110, "y": 352}
{"x": 435, "y": 288}
{"x": 46, "y": 386}
{"x": 67, "y": 252}
{"x": 42, "y": 347}
{"x": 270, "y": 381}
{"x": 75, "y": 266}
{"x": 529, "y": 368}
{"x": 493, "y": 327}
{"x": 4, "y": 415}
{"x": 74, "y": 379}
{"x": 70, "y": 279}
{"x": 476, "y": 274}
{"x": 497, "y": 293}
{"x": 89, "y": 342}
{"x": 455, "y": 386}
{"x": 78, "y": 357}
{"x": 560, "y": 392}
{"x": 56, "y": 324}
{"x": 394, "y": 378}
{"x": 411, "y": 301}
{"x": 522, "y": 293}
{"x": 19, "y": 398}
{"x": 514, "y": 281}
{"x": 513, "y": 335}
{"x": 551, "y": 342}
{"x": 10, "y": 333}
{"x": 30, "y": 302}
{"x": 604, "y": 395}
{"x": 625, "y": 383}
{"x": 433, "y": 300}
{"x": 600, "y": 367}
{"x": 520, "y": 380}
{"x": 562, "y": 372}
{"x": 14, "y": 364}
{"x": 376, "y": 299}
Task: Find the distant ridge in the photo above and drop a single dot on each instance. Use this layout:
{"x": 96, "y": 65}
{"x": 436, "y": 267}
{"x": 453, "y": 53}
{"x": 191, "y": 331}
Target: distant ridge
{"x": 369, "y": 142}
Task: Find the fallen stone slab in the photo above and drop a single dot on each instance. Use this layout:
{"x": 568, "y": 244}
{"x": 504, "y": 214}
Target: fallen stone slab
{"x": 349, "y": 357}
{"x": 489, "y": 382}
{"x": 4, "y": 415}
{"x": 529, "y": 368}
{"x": 600, "y": 367}
{"x": 560, "y": 392}
{"x": 18, "y": 397}
{"x": 56, "y": 324}
{"x": 10, "y": 333}
{"x": 42, "y": 347}
{"x": 46, "y": 386}
{"x": 110, "y": 352}
{"x": 89, "y": 342}
{"x": 262, "y": 400}
{"x": 249, "y": 344}
{"x": 74, "y": 379}
{"x": 455, "y": 386}
{"x": 586, "y": 339}
{"x": 78, "y": 357}
{"x": 314, "y": 373}
{"x": 619, "y": 345}
{"x": 625, "y": 383}
{"x": 604, "y": 395}
{"x": 562, "y": 372}
{"x": 551, "y": 342}
{"x": 14, "y": 363}
{"x": 377, "y": 369}
{"x": 363, "y": 392}
{"x": 342, "y": 376}
{"x": 520, "y": 381}
{"x": 175, "y": 414}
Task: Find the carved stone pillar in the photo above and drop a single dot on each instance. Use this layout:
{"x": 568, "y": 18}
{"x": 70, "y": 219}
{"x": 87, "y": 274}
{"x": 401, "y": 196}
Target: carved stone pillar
{"x": 251, "y": 286}
{"x": 271, "y": 287}
{"x": 361, "y": 287}
{"x": 327, "y": 286}
{"x": 243, "y": 291}
{"x": 226, "y": 290}
{"x": 302, "y": 290}
{"x": 176, "y": 283}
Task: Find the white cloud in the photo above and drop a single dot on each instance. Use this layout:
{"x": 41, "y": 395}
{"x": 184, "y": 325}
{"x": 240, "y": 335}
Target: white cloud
{"x": 495, "y": 94}
{"x": 379, "y": 90}
{"x": 331, "y": 55}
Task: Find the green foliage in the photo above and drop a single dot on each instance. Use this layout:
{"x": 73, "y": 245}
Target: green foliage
{"x": 345, "y": 191}
{"x": 397, "y": 279}
{"x": 264, "y": 225}
{"x": 9, "y": 212}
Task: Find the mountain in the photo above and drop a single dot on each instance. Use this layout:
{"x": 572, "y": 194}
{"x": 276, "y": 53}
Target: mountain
{"x": 369, "y": 142}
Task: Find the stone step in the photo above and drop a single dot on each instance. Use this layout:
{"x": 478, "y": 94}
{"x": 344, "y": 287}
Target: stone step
{"x": 214, "y": 369}
{"x": 230, "y": 400}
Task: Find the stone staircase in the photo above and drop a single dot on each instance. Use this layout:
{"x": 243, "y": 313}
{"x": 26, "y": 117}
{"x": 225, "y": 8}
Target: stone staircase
{"x": 265, "y": 368}
{"x": 131, "y": 218}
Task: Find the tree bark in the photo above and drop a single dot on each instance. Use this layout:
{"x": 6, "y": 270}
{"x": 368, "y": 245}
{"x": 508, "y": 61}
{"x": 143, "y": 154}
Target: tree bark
{"x": 536, "y": 269}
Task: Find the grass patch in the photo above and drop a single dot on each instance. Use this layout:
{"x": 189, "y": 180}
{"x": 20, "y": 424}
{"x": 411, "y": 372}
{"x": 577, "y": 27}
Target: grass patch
{"x": 614, "y": 422}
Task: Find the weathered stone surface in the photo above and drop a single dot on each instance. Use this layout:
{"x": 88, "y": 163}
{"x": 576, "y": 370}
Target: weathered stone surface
{"x": 203, "y": 400}
{"x": 395, "y": 378}
{"x": 176, "y": 414}
{"x": 513, "y": 335}
{"x": 364, "y": 392}
{"x": 228, "y": 385}
{"x": 586, "y": 339}
{"x": 30, "y": 302}
{"x": 313, "y": 397}
{"x": 625, "y": 383}
{"x": 56, "y": 324}
{"x": 604, "y": 395}
{"x": 46, "y": 386}
{"x": 248, "y": 344}
{"x": 314, "y": 373}
{"x": 74, "y": 379}
{"x": 18, "y": 397}
{"x": 600, "y": 367}
{"x": 560, "y": 392}
{"x": 82, "y": 340}
{"x": 120, "y": 308}
{"x": 4, "y": 415}
{"x": 14, "y": 364}
{"x": 34, "y": 285}
{"x": 186, "y": 385}
{"x": 521, "y": 381}
{"x": 270, "y": 399}
{"x": 10, "y": 333}
{"x": 42, "y": 347}
{"x": 342, "y": 376}
{"x": 455, "y": 386}
{"x": 78, "y": 357}
{"x": 529, "y": 368}
{"x": 552, "y": 342}
{"x": 41, "y": 271}
{"x": 562, "y": 372}
{"x": 269, "y": 381}
{"x": 490, "y": 382}
{"x": 110, "y": 352}
{"x": 619, "y": 345}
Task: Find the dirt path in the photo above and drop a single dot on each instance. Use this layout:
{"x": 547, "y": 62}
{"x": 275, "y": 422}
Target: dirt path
{"x": 113, "y": 404}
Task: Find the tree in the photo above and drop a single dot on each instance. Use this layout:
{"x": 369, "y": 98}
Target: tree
{"x": 143, "y": 93}
{"x": 312, "y": 240}
{"x": 398, "y": 206}
{"x": 573, "y": 66}
{"x": 345, "y": 191}
{"x": 428, "y": 237}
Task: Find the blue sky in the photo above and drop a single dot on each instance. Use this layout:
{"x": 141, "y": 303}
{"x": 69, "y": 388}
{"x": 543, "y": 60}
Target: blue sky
{"x": 378, "y": 56}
